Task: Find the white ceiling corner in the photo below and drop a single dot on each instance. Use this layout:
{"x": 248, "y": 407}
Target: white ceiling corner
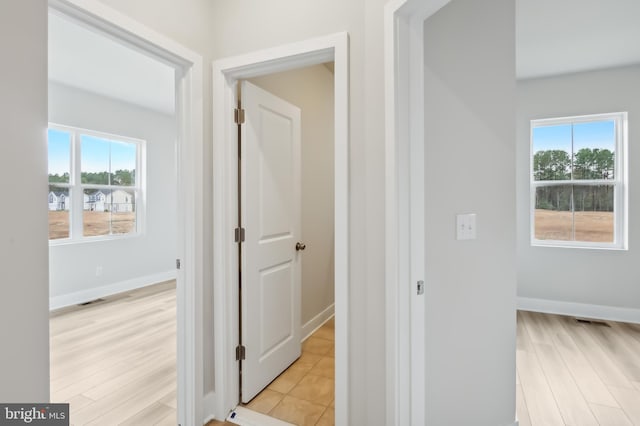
{"x": 87, "y": 60}
{"x": 564, "y": 36}
{"x": 552, "y": 37}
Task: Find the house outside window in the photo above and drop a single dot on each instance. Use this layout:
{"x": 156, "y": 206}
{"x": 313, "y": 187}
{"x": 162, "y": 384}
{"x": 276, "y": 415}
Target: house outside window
{"x": 95, "y": 185}
{"x": 578, "y": 181}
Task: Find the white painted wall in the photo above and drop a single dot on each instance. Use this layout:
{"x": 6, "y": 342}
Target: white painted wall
{"x": 594, "y": 277}
{"x": 247, "y": 25}
{"x": 469, "y": 151}
{"x": 218, "y": 28}
{"x": 311, "y": 89}
{"x": 24, "y": 314}
{"x": 128, "y": 262}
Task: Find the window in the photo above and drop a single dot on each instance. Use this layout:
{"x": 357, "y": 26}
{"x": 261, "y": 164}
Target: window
{"x": 578, "y": 193}
{"x": 95, "y": 187}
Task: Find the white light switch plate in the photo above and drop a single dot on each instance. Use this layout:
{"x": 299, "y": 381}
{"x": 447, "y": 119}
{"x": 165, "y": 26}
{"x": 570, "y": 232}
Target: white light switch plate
{"x": 466, "y": 226}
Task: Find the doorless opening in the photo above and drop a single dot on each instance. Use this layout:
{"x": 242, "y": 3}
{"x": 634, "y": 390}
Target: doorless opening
{"x": 188, "y": 148}
{"x": 227, "y": 72}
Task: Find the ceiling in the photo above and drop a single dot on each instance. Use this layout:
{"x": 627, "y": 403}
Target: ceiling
{"x": 552, "y": 37}
{"x": 87, "y": 60}
{"x": 565, "y": 36}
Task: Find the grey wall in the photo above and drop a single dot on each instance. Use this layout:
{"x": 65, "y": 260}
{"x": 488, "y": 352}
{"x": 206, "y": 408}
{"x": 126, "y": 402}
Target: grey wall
{"x": 24, "y": 292}
{"x": 73, "y": 266}
{"x": 470, "y": 285}
{"x": 311, "y": 90}
{"x": 597, "y": 277}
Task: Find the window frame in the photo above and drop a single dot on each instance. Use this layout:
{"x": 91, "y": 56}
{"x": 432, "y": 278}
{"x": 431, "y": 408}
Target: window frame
{"x": 619, "y": 183}
{"x": 76, "y": 187}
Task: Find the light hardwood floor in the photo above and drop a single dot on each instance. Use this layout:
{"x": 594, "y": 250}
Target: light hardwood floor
{"x": 577, "y": 374}
{"x": 115, "y": 361}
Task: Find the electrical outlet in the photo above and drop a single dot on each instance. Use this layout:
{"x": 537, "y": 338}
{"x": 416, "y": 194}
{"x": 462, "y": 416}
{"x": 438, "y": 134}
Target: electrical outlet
{"x": 98, "y": 271}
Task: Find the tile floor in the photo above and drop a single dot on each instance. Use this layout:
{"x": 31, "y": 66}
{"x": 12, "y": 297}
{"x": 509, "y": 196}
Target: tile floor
{"x": 303, "y": 394}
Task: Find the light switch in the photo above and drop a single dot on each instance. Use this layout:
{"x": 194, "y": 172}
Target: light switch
{"x": 466, "y": 226}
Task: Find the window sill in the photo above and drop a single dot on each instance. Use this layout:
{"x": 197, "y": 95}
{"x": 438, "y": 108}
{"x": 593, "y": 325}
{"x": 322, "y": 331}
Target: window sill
{"x": 577, "y": 245}
{"x": 97, "y": 239}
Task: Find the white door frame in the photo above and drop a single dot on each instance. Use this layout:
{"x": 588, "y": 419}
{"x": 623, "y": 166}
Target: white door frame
{"x": 404, "y": 210}
{"x": 189, "y": 113}
{"x": 226, "y": 72}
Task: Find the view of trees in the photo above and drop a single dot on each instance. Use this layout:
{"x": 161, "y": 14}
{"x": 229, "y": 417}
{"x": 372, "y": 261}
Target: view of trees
{"x": 587, "y": 164}
{"x": 120, "y": 177}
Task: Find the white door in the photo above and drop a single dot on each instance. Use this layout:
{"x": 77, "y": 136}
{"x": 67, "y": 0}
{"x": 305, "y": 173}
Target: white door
{"x": 270, "y": 209}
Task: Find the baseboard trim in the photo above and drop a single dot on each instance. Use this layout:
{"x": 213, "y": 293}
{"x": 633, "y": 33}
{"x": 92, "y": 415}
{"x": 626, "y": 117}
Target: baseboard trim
{"x": 316, "y": 322}
{"x": 83, "y": 296}
{"x": 209, "y": 408}
{"x": 602, "y": 312}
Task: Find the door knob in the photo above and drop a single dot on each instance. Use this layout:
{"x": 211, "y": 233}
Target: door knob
{"x": 300, "y": 246}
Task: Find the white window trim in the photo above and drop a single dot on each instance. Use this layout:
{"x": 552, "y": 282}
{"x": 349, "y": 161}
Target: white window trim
{"x": 76, "y": 187}
{"x": 619, "y": 183}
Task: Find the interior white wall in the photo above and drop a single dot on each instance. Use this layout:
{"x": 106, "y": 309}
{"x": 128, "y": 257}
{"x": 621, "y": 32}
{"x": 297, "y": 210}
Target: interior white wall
{"x": 311, "y": 90}
{"x": 247, "y": 25}
{"x": 469, "y": 154}
{"x": 140, "y": 260}
{"x": 596, "y": 277}
{"x": 217, "y": 29}
{"x": 24, "y": 314}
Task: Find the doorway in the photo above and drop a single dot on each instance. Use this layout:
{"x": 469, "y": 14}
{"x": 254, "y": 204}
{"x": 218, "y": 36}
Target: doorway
{"x": 186, "y": 146}
{"x": 226, "y": 74}
{"x": 113, "y": 226}
{"x": 288, "y": 305}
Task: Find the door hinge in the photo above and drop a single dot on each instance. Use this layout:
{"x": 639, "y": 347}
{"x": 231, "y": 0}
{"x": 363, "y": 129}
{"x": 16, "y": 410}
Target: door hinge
{"x": 420, "y": 287}
{"x": 239, "y": 235}
{"x": 178, "y": 263}
{"x": 238, "y": 115}
{"x": 240, "y": 353}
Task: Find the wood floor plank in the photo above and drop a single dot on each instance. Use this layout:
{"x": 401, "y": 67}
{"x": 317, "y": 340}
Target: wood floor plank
{"x": 170, "y": 399}
{"x": 575, "y": 373}
{"x": 571, "y": 403}
{"x": 86, "y": 360}
{"x": 523, "y": 340}
{"x": 78, "y": 401}
{"x": 172, "y": 420}
{"x": 537, "y": 328}
{"x": 150, "y": 415}
{"x": 160, "y": 365}
{"x": 588, "y": 381}
{"x": 114, "y": 362}
{"x": 521, "y": 408}
{"x": 619, "y": 349}
{"x": 607, "y": 369}
{"x": 124, "y": 403}
{"x": 69, "y": 386}
{"x": 629, "y": 400}
{"x": 541, "y": 404}
{"x": 610, "y": 416}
